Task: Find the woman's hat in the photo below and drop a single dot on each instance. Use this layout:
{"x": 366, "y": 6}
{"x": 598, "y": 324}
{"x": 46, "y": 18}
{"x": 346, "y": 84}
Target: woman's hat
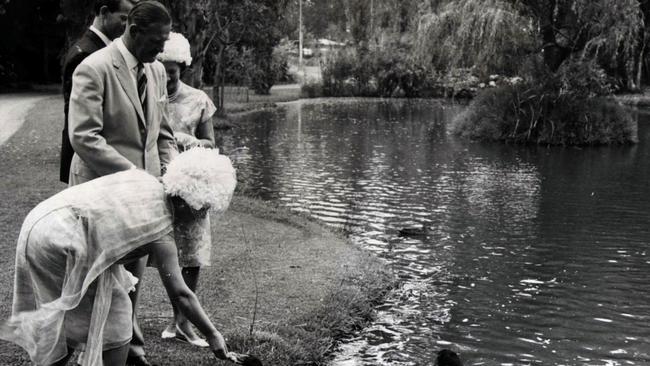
{"x": 177, "y": 49}
{"x": 202, "y": 178}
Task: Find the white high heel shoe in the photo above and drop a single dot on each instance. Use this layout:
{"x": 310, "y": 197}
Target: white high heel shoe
{"x": 166, "y": 334}
{"x": 181, "y": 336}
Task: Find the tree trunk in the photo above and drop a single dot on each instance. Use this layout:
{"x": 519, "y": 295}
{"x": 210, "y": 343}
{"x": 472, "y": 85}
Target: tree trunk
{"x": 190, "y": 19}
{"x": 194, "y": 74}
{"x": 217, "y": 91}
{"x": 223, "y": 91}
{"x": 639, "y": 63}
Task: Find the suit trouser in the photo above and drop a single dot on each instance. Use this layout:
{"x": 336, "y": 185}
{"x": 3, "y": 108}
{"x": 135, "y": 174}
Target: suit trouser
{"x": 136, "y": 347}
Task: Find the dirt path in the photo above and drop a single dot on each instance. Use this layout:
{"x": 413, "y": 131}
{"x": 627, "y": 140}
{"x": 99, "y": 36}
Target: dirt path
{"x": 14, "y": 109}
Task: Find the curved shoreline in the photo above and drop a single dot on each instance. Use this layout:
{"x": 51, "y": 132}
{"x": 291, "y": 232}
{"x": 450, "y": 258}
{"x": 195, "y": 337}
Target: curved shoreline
{"x": 312, "y": 285}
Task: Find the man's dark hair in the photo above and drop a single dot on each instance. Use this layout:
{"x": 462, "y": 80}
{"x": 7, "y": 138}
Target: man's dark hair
{"x": 146, "y": 13}
{"x": 112, "y": 5}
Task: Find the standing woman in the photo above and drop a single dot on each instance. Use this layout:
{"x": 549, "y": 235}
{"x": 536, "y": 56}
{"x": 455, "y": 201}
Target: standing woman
{"x": 190, "y": 112}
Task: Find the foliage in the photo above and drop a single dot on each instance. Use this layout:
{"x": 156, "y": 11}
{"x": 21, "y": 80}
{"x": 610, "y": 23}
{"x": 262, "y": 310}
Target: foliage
{"x": 613, "y": 39}
{"x": 558, "y": 108}
{"x": 396, "y": 71}
{"x": 345, "y": 74}
{"x": 76, "y": 15}
{"x": 247, "y": 25}
{"x": 7, "y": 74}
{"x": 382, "y": 72}
{"x": 193, "y": 19}
{"x": 490, "y": 35}
{"x": 33, "y": 40}
{"x": 311, "y": 89}
{"x": 495, "y": 35}
{"x": 269, "y": 71}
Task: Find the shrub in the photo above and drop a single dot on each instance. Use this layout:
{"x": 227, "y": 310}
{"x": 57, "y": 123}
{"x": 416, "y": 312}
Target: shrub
{"x": 396, "y": 72}
{"x": 311, "y": 89}
{"x": 338, "y": 73}
{"x": 562, "y": 108}
{"x": 7, "y": 74}
{"x": 381, "y": 72}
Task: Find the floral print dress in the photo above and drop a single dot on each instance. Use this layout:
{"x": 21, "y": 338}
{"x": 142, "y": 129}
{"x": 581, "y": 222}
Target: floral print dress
{"x": 188, "y": 108}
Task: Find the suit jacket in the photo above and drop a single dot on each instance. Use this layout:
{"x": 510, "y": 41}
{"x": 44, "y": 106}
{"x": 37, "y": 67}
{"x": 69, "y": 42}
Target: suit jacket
{"x": 87, "y": 44}
{"x": 108, "y": 129}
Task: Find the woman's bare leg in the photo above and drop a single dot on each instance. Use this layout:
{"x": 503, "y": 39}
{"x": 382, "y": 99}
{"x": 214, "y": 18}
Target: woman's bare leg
{"x": 191, "y": 277}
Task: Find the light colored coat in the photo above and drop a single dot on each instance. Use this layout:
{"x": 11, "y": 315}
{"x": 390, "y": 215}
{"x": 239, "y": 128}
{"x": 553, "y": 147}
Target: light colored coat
{"x": 107, "y": 126}
{"x": 69, "y": 287}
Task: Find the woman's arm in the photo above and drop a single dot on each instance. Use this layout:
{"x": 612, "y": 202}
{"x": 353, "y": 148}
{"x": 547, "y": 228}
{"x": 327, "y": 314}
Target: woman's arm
{"x": 164, "y": 257}
{"x": 205, "y": 133}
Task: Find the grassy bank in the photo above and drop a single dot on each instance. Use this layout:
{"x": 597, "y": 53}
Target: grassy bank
{"x": 280, "y": 286}
{"x": 240, "y": 100}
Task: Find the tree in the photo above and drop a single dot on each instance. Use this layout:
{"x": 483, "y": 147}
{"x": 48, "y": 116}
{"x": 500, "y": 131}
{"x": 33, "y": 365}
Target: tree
{"x": 493, "y": 34}
{"x": 487, "y": 34}
{"x": 193, "y": 19}
{"x": 76, "y": 15}
{"x": 32, "y": 41}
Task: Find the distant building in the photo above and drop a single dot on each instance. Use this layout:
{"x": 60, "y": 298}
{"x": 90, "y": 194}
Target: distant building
{"x": 325, "y": 45}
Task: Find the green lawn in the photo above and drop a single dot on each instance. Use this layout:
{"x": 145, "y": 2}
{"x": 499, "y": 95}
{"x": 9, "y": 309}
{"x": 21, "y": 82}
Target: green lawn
{"x": 312, "y": 287}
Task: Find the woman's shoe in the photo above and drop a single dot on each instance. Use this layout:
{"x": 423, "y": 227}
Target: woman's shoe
{"x": 198, "y": 342}
{"x": 168, "y": 334}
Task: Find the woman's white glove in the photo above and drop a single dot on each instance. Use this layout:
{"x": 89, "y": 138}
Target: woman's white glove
{"x": 186, "y": 141}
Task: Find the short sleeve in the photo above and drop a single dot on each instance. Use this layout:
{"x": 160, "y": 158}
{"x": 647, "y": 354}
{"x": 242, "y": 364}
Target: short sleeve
{"x": 208, "y": 108}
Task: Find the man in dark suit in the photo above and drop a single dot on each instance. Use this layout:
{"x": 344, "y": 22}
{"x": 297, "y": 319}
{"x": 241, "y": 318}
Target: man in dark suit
{"x": 109, "y": 23}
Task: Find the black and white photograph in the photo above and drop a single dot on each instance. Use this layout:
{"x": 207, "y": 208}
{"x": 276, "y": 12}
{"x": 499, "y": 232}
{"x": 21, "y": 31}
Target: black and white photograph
{"x": 325, "y": 182}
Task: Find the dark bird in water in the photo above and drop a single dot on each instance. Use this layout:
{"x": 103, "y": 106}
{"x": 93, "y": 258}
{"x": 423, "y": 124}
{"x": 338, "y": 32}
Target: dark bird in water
{"x": 414, "y": 231}
{"x": 448, "y": 357}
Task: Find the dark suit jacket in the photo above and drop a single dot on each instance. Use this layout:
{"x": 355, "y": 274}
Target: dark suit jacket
{"x": 87, "y": 44}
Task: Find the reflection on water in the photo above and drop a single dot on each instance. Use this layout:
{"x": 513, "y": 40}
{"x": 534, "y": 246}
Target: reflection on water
{"x": 529, "y": 255}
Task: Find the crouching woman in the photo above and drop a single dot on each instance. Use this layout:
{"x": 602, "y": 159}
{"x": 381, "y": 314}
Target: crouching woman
{"x": 71, "y": 290}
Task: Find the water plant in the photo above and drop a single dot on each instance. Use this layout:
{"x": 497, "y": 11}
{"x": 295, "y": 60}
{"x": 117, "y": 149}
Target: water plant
{"x": 568, "y": 107}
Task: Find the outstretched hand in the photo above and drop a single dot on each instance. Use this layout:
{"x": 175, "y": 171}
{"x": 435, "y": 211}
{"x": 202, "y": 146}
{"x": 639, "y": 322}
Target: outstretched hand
{"x": 242, "y": 359}
{"x": 220, "y": 350}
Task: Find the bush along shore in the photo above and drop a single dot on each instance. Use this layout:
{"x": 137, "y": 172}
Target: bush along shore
{"x": 573, "y": 105}
{"x": 281, "y": 286}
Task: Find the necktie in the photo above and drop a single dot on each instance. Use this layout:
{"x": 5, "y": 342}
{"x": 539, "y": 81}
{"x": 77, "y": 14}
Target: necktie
{"x": 142, "y": 87}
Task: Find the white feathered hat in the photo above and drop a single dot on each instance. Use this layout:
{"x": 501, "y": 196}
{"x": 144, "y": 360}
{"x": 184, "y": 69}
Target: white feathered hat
{"x": 201, "y": 177}
{"x": 177, "y": 49}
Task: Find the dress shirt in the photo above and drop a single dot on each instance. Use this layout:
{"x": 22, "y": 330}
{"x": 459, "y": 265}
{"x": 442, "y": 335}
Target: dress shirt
{"x": 131, "y": 61}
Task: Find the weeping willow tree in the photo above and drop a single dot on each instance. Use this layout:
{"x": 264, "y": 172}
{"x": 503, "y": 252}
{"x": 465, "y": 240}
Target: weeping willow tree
{"x": 494, "y": 36}
{"x": 572, "y": 51}
{"x": 490, "y": 35}
{"x": 612, "y": 32}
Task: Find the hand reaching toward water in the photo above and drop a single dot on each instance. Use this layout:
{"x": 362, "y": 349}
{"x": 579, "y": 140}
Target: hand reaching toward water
{"x": 246, "y": 360}
{"x": 220, "y": 350}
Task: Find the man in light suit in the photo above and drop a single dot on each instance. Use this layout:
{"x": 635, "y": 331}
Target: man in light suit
{"x": 118, "y": 117}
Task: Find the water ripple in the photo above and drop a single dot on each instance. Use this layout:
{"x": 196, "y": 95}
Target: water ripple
{"x": 524, "y": 256}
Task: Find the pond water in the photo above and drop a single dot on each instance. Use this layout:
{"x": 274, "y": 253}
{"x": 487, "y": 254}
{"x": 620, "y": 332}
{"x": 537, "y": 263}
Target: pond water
{"x": 528, "y": 255}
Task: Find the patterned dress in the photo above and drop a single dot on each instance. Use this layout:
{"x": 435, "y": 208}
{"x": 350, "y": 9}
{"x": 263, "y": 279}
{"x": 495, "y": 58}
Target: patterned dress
{"x": 189, "y": 108}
